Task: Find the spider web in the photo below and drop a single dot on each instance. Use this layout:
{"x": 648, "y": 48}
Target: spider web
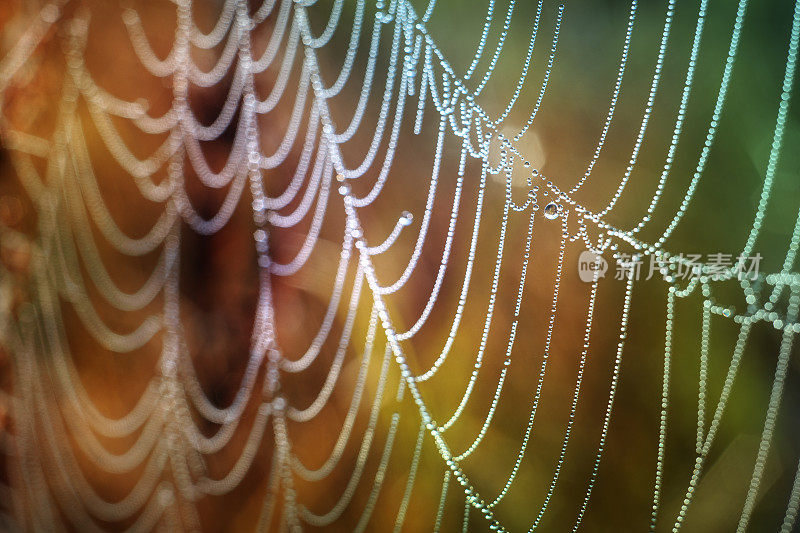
{"x": 270, "y": 66}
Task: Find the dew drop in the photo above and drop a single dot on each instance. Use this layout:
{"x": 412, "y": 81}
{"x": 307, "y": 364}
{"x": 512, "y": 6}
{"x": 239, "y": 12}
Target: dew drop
{"x": 551, "y": 211}
{"x": 165, "y": 495}
{"x": 278, "y": 403}
{"x": 406, "y": 218}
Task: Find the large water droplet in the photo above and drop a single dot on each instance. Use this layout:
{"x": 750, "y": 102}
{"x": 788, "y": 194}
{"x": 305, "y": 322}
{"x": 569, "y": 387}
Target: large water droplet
{"x": 407, "y": 218}
{"x": 551, "y": 210}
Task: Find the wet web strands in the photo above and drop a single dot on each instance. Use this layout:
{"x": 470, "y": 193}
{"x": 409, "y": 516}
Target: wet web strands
{"x": 390, "y": 62}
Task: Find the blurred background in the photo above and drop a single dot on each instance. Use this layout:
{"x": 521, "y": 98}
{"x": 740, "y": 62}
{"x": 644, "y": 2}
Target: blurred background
{"x": 219, "y": 276}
